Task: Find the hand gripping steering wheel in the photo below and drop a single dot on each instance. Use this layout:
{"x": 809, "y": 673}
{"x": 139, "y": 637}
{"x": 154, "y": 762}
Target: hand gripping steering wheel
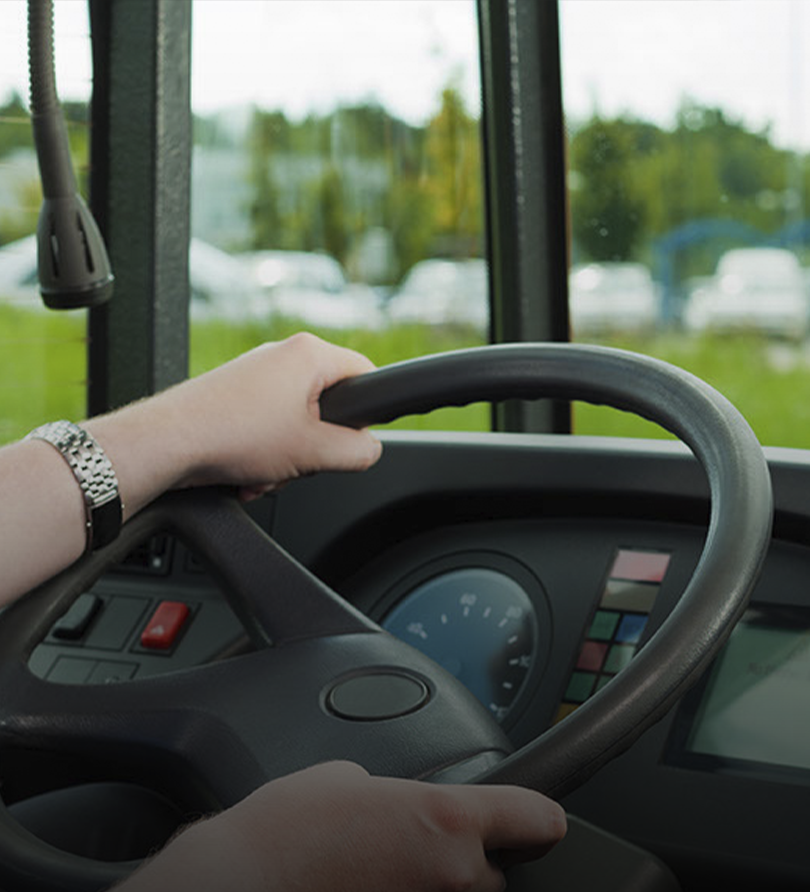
{"x": 324, "y": 681}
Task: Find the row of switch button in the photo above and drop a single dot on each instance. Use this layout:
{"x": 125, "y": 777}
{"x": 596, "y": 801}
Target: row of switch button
{"x": 108, "y": 624}
{"x": 617, "y": 626}
{"x": 99, "y": 624}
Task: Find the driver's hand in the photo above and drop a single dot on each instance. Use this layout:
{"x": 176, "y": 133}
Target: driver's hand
{"x": 253, "y": 423}
{"x": 333, "y": 828}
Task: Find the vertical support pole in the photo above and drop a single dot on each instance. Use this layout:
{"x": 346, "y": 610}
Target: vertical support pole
{"x": 524, "y": 149}
{"x": 140, "y": 192}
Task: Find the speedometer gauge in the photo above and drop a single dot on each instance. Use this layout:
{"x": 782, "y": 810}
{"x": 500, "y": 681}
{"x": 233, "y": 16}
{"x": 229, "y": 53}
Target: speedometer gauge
{"x": 477, "y": 623}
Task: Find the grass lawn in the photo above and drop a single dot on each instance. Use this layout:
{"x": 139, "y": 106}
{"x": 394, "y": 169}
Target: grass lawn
{"x": 768, "y": 382}
{"x": 43, "y": 357}
{"x": 42, "y": 368}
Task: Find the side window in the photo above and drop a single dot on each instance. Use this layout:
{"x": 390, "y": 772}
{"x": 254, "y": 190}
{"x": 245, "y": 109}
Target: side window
{"x": 337, "y": 182}
{"x": 42, "y": 352}
{"x": 689, "y": 195}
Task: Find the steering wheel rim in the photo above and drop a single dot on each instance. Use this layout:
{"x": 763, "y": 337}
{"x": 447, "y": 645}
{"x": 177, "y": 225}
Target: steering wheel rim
{"x": 739, "y": 530}
{"x": 565, "y": 755}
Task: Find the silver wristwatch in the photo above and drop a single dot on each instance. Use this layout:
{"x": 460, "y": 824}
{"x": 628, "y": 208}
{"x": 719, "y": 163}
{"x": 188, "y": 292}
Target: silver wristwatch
{"x": 94, "y": 474}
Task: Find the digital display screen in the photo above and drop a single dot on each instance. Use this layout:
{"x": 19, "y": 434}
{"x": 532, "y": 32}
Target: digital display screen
{"x": 755, "y": 706}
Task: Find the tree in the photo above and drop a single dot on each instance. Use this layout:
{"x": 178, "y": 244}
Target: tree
{"x": 331, "y": 222}
{"x": 452, "y": 177}
{"x": 268, "y": 134}
{"x": 324, "y": 182}
{"x": 608, "y": 210}
{"x": 633, "y": 182}
{"x": 16, "y": 132}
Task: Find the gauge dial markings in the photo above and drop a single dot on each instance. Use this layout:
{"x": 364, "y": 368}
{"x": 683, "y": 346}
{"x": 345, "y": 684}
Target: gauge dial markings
{"x": 478, "y": 624}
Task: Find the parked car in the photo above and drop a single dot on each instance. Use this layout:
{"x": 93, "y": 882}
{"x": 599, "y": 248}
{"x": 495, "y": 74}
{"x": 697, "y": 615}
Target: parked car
{"x": 439, "y": 292}
{"x": 219, "y": 287}
{"x": 611, "y": 297}
{"x": 312, "y": 287}
{"x": 756, "y": 289}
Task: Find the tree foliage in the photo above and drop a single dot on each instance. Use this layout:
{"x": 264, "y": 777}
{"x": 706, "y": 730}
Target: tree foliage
{"x": 632, "y": 182}
{"x": 322, "y": 183}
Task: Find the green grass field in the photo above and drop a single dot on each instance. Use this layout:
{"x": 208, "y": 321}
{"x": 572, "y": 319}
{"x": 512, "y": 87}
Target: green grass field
{"x": 768, "y": 382}
{"x": 43, "y": 357}
{"x": 42, "y": 368}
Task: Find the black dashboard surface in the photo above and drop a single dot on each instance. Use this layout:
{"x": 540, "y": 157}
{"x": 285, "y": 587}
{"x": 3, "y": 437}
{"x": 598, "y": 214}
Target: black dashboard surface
{"x": 538, "y": 566}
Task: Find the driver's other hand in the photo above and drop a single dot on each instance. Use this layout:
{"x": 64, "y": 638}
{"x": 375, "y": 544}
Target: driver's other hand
{"x": 334, "y": 828}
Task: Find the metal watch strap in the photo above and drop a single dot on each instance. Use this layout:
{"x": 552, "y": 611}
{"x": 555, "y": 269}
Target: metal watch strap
{"x": 94, "y": 474}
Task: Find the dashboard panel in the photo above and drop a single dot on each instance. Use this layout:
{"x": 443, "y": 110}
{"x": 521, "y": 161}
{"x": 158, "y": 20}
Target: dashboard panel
{"x": 534, "y": 568}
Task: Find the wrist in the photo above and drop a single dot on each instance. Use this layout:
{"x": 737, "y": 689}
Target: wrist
{"x": 147, "y": 447}
{"x": 207, "y": 857}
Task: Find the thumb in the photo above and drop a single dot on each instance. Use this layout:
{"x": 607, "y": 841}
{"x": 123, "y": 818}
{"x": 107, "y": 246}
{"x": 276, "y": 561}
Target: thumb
{"x": 345, "y": 449}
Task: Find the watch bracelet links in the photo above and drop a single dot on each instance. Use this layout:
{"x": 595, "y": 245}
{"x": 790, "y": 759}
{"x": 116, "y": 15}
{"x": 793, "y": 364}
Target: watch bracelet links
{"x": 95, "y": 475}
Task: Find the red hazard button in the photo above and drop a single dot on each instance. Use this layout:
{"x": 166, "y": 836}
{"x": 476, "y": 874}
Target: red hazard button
{"x": 163, "y": 628}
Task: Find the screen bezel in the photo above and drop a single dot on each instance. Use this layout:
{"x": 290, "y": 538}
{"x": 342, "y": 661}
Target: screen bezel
{"x": 678, "y": 752}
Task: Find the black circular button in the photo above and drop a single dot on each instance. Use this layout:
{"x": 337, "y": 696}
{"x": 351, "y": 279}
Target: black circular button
{"x": 376, "y": 696}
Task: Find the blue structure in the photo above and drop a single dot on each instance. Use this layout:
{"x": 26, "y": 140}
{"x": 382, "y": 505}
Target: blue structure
{"x": 666, "y": 248}
{"x": 694, "y": 232}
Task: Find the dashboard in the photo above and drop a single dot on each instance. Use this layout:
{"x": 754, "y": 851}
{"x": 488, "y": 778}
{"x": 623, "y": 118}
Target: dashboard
{"x": 533, "y": 568}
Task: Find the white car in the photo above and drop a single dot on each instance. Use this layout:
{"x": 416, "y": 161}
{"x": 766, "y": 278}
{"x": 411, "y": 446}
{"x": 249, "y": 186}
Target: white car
{"x": 754, "y": 289}
{"x": 440, "y": 292}
{"x": 613, "y": 297}
{"x": 219, "y": 287}
{"x": 312, "y": 287}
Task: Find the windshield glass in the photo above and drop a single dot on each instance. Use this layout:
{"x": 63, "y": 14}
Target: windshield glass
{"x": 689, "y": 189}
{"x": 337, "y": 187}
{"x": 337, "y": 183}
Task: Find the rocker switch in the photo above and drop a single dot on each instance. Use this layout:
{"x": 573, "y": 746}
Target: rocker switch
{"x": 164, "y": 625}
{"x": 73, "y": 624}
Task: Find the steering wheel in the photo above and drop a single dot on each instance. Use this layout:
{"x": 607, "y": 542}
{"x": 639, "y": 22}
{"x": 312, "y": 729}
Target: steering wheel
{"x": 324, "y": 681}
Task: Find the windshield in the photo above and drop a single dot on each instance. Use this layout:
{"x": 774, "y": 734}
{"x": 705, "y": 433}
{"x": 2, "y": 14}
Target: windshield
{"x": 337, "y": 164}
{"x": 688, "y": 159}
{"x": 337, "y": 186}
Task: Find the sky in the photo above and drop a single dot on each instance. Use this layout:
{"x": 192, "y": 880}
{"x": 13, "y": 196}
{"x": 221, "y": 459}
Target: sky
{"x": 644, "y": 56}
{"x": 401, "y": 52}
{"x": 640, "y": 57}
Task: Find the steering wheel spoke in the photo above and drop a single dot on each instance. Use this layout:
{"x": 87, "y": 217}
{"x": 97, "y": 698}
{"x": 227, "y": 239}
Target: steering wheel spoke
{"x": 276, "y": 598}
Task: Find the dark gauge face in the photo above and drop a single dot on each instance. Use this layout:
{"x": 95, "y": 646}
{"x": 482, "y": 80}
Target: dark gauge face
{"x": 479, "y": 625}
